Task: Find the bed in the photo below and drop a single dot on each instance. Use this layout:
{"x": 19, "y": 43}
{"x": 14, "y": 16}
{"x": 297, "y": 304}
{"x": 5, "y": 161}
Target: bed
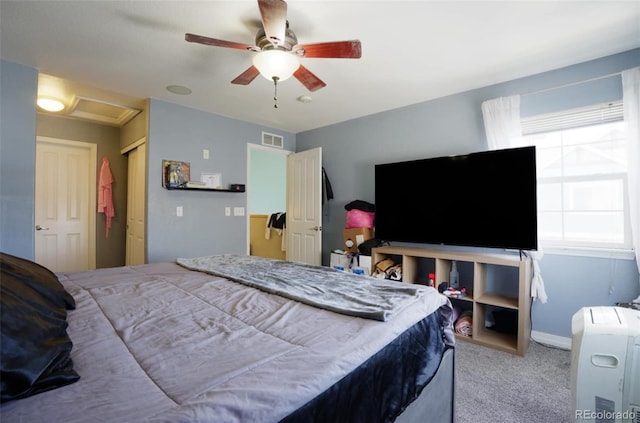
{"x": 223, "y": 338}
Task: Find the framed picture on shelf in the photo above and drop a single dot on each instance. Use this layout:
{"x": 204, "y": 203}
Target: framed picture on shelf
{"x": 175, "y": 173}
{"x": 212, "y": 180}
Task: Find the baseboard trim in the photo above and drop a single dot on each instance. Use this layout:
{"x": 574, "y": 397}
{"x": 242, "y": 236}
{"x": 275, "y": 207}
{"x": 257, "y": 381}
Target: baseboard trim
{"x": 552, "y": 340}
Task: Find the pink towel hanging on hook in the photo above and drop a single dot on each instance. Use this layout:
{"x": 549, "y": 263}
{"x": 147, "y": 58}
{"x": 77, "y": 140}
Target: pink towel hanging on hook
{"x": 105, "y": 194}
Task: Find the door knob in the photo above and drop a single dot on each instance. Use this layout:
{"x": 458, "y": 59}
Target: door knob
{"x": 317, "y": 228}
{"x": 41, "y": 228}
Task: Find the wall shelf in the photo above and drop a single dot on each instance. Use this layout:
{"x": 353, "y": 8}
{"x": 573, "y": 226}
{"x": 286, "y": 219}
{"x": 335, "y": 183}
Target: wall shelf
{"x": 494, "y": 283}
{"x": 204, "y": 189}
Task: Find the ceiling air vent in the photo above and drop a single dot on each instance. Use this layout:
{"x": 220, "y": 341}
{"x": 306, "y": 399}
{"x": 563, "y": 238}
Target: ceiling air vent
{"x": 272, "y": 140}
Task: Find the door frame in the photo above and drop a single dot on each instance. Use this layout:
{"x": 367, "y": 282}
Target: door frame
{"x": 93, "y": 169}
{"x": 250, "y": 148}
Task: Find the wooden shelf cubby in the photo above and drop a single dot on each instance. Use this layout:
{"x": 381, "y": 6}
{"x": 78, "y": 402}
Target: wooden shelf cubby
{"x": 494, "y": 283}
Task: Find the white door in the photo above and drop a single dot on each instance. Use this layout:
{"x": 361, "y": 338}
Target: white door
{"x": 65, "y": 204}
{"x": 304, "y": 206}
{"x": 136, "y": 206}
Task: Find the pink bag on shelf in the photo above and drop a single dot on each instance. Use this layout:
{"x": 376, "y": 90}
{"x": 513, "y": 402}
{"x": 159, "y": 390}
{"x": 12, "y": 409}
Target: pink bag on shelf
{"x": 359, "y": 219}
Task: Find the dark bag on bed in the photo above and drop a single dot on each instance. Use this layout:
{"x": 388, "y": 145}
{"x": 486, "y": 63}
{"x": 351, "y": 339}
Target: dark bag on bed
{"x": 366, "y": 247}
{"x": 35, "y": 349}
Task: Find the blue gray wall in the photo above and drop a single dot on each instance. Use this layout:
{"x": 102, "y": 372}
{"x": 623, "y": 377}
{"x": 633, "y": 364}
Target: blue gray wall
{"x": 179, "y": 133}
{"x": 453, "y": 125}
{"x": 18, "y": 87}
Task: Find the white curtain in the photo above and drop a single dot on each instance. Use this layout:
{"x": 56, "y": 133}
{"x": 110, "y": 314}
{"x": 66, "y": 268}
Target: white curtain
{"x": 502, "y": 125}
{"x": 502, "y": 122}
{"x": 631, "y": 100}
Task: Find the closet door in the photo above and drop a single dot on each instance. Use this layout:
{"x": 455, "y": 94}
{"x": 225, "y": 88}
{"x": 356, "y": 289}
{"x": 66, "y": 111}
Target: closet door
{"x": 136, "y": 206}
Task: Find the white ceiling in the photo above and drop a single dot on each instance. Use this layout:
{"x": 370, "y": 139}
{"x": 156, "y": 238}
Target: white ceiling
{"x": 412, "y": 51}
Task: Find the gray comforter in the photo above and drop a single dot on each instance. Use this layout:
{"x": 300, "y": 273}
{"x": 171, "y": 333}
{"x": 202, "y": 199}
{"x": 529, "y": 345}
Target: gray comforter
{"x": 319, "y": 286}
{"x": 161, "y": 343}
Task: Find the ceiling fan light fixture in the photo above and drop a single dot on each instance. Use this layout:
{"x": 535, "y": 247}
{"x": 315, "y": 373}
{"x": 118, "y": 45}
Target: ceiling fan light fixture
{"x": 50, "y": 104}
{"x": 276, "y": 64}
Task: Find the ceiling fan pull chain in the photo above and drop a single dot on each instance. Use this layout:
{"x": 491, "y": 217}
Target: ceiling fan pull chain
{"x": 275, "y": 92}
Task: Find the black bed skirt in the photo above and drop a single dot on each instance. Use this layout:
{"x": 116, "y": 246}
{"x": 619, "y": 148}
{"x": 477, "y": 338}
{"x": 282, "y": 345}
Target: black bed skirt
{"x": 383, "y": 386}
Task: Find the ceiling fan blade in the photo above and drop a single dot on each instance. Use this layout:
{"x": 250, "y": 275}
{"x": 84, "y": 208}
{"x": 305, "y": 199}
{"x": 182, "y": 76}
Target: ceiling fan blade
{"x": 192, "y": 38}
{"x": 308, "y": 79}
{"x": 332, "y": 50}
{"x": 274, "y": 20}
{"x": 247, "y": 76}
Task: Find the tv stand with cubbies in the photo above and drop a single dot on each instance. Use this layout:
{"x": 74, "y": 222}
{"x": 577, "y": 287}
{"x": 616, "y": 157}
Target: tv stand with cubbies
{"x": 494, "y": 283}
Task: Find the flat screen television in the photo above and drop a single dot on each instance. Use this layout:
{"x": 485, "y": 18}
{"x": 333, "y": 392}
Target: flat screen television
{"x": 484, "y": 199}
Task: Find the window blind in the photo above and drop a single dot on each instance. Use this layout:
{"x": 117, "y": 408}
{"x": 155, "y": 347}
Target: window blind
{"x": 566, "y": 119}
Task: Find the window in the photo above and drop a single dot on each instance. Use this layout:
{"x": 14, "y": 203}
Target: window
{"x": 582, "y": 177}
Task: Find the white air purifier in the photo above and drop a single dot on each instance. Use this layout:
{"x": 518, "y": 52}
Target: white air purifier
{"x": 605, "y": 365}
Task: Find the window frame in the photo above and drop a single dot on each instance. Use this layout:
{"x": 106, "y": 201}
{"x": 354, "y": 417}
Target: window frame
{"x": 579, "y": 118}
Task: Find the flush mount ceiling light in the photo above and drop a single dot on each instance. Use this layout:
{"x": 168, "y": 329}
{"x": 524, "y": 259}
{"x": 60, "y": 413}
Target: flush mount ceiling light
{"x": 50, "y": 104}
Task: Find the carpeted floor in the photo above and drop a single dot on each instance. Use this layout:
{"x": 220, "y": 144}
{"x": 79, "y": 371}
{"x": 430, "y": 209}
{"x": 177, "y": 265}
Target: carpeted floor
{"x": 497, "y": 387}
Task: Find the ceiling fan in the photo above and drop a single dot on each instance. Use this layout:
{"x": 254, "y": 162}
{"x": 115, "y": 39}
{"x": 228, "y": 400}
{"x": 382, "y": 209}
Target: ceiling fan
{"x": 278, "y": 49}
